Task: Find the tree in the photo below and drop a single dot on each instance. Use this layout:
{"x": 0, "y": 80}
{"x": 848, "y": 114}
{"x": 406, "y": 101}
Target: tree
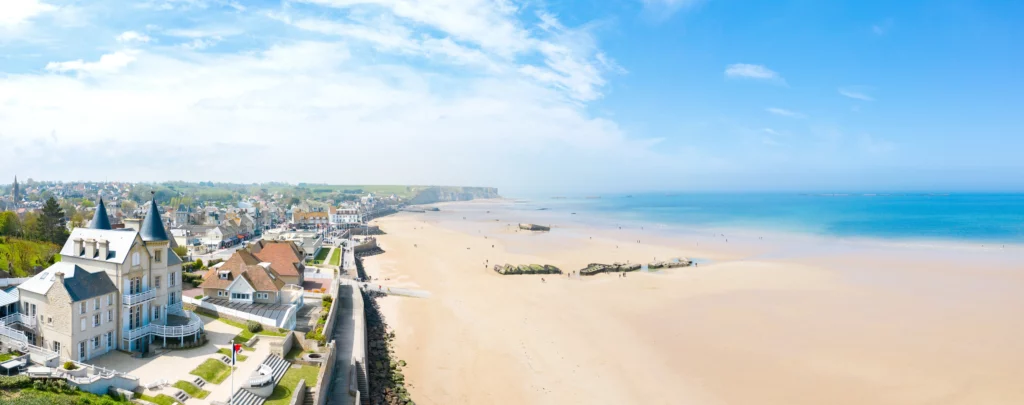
{"x": 10, "y": 225}
{"x": 52, "y": 225}
{"x": 28, "y": 225}
{"x": 128, "y": 206}
{"x": 77, "y": 220}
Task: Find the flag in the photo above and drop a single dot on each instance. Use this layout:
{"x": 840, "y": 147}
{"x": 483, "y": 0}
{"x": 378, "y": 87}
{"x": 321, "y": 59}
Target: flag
{"x": 234, "y": 350}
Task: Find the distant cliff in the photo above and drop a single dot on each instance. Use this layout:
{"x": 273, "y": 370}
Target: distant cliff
{"x": 443, "y": 194}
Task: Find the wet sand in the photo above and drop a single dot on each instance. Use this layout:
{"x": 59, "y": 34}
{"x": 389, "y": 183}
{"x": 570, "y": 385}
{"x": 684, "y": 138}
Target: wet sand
{"x": 795, "y": 321}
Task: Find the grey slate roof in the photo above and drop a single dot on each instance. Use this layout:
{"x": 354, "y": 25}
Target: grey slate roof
{"x": 9, "y": 297}
{"x": 80, "y": 283}
{"x": 100, "y": 219}
{"x": 120, "y": 242}
{"x": 152, "y": 227}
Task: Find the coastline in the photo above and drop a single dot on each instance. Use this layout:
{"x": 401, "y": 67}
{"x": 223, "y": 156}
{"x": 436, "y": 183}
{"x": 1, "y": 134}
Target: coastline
{"x": 793, "y": 319}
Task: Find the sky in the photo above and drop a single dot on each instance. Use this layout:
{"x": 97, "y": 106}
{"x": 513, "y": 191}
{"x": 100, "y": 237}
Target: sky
{"x": 615, "y": 95}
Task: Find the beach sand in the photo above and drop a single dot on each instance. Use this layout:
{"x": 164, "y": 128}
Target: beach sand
{"x": 783, "y": 322}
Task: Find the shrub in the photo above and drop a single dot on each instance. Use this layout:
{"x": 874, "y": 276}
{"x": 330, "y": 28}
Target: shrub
{"x": 253, "y": 326}
{"x": 70, "y": 366}
{"x": 18, "y": 381}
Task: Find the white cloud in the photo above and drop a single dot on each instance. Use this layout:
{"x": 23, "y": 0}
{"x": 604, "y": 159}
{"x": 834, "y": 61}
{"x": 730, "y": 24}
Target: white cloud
{"x": 784, "y": 112}
{"x": 749, "y": 71}
{"x": 133, "y": 36}
{"x": 855, "y": 92}
{"x": 17, "y": 12}
{"x": 883, "y": 27}
{"x": 770, "y": 131}
{"x": 109, "y": 63}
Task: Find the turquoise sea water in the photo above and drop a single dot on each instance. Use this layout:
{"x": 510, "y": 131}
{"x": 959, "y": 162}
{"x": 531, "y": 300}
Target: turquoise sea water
{"x": 955, "y": 217}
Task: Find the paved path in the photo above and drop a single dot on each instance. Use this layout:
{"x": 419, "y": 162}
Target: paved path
{"x": 344, "y": 335}
{"x": 221, "y": 392}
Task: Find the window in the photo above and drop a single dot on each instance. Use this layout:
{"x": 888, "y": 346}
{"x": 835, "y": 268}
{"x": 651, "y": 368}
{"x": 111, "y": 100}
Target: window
{"x": 56, "y": 346}
{"x": 96, "y": 342}
{"x": 157, "y": 255}
{"x": 110, "y": 299}
{"x": 239, "y": 296}
{"x": 135, "y": 259}
{"x": 96, "y": 303}
{"x": 49, "y": 320}
{"x": 156, "y": 282}
{"x": 156, "y": 312}
{"x": 171, "y": 279}
{"x": 33, "y": 308}
{"x": 81, "y": 307}
{"x": 81, "y": 351}
{"x": 96, "y": 320}
{"x": 110, "y": 339}
{"x": 220, "y": 293}
{"x": 83, "y": 324}
{"x": 110, "y": 315}
{"x": 223, "y": 275}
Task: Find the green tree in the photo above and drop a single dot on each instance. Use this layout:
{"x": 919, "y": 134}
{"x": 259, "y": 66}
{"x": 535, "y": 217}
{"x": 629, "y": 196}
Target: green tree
{"x": 52, "y": 225}
{"x": 28, "y": 225}
{"x": 128, "y": 205}
{"x": 10, "y": 225}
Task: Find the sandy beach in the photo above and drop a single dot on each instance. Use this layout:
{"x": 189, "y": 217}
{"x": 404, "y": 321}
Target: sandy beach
{"x": 794, "y": 321}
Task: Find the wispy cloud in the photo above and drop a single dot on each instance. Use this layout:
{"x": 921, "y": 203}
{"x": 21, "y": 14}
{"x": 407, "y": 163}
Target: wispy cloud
{"x": 16, "y": 12}
{"x": 663, "y": 9}
{"x": 883, "y": 27}
{"x": 132, "y": 36}
{"x": 750, "y": 71}
{"x": 856, "y": 92}
{"x": 784, "y": 112}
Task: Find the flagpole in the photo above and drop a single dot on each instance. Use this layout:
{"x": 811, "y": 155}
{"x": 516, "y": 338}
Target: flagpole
{"x": 231, "y": 395}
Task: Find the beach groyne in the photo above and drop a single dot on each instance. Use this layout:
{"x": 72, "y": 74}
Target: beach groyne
{"x": 510, "y": 269}
{"x": 534, "y": 227}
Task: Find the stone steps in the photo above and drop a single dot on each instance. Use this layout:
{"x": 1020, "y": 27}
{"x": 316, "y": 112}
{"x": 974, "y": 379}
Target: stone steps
{"x": 199, "y": 382}
{"x": 181, "y": 396}
{"x": 244, "y": 397}
{"x": 279, "y": 365}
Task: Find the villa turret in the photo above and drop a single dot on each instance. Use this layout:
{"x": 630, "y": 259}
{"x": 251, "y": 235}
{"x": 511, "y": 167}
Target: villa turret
{"x": 100, "y": 220}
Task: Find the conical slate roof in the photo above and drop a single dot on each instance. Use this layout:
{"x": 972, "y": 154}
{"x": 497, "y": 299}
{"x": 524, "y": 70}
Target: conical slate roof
{"x": 100, "y": 219}
{"x": 153, "y": 227}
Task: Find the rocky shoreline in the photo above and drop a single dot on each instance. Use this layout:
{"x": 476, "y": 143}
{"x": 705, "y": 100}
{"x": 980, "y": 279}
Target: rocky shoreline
{"x": 387, "y": 383}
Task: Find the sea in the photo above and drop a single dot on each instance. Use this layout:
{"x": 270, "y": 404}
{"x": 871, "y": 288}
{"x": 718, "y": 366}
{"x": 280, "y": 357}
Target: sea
{"x": 993, "y": 218}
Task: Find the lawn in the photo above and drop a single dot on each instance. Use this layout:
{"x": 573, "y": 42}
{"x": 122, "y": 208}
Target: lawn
{"x": 32, "y": 396}
{"x": 7, "y": 356}
{"x": 321, "y": 254}
{"x": 191, "y": 389}
{"x": 227, "y": 352}
{"x": 282, "y": 394}
{"x": 336, "y": 258}
{"x": 160, "y": 399}
{"x": 213, "y": 371}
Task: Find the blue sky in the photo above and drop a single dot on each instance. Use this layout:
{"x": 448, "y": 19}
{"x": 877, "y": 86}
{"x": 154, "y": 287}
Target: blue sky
{"x": 620, "y": 95}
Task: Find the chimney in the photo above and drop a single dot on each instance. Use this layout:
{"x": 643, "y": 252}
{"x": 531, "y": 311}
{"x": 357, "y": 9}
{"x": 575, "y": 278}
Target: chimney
{"x": 133, "y": 223}
{"x": 90, "y": 248}
{"x": 60, "y": 278}
{"x": 78, "y": 246}
{"x": 104, "y": 248}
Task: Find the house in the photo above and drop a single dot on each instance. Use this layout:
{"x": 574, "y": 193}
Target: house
{"x": 244, "y": 278}
{"x": 112, "y": 289}
{"x": 345, "y": 217}
{"x": 284, "y": 256}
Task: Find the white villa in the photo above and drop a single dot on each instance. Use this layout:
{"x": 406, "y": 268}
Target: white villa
{"x": 113, "y": 289}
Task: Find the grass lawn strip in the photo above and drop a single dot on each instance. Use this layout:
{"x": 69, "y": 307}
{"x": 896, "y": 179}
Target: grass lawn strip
{"x": 213, "y": 371}
{"x": 191, "y": 389}
{"x": 336, "y": 258}
{"x": 227, "y": 352}
{"x": 321, "y": 255}
{"x": 282, "y": 394}
{"x": 160, "y": 399}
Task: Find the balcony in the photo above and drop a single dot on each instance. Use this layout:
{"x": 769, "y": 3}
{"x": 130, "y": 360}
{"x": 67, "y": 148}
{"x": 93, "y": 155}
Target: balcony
{"x": 187, "y": 324}
{"x": 19, "y": 318}
{"x": 138, "y": 298}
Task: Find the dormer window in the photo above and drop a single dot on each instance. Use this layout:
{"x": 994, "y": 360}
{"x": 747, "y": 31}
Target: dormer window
{"x": 223, "y": 275}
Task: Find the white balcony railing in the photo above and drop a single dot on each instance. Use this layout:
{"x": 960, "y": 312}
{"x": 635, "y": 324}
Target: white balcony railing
{"x": 194, "y": 325}
{"x": 18, "y": 318}
{"x": 138, "y": 298}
